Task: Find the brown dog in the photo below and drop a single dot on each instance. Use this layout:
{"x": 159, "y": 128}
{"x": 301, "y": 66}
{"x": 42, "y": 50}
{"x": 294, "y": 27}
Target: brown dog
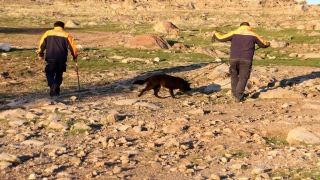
{"x": 156, "y": 81}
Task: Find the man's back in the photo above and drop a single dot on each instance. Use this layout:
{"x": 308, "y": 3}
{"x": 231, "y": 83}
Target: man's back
{"x": 57, "y": 42}
{"x": 243, "y": 42}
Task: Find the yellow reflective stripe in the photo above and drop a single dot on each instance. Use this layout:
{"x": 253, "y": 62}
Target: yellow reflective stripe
{"x": 57, "y": 33}
{"x": 73, "y": 45}
{"x": 260, "y": 39}
{"x": 219, "y": 36}
{"x": 42, "y": 39}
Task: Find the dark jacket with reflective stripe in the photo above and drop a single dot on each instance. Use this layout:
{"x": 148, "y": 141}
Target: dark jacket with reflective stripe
{"x": 243, "y": 42}
{"x": 56, "y": 42}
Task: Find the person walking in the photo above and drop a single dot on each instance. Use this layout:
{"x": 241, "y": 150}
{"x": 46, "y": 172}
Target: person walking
{"x": 56, "y": 43}
{"x": 242, "y": 49}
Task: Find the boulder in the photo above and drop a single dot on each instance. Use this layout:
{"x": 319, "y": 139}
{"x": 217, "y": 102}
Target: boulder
{"x": 148, "y": 41}
{"x": 5, "y": 46}
{"x": 304, "y": 134}
{"x": 71, "y": 24}
{"x": 281, "y": 93}
{"x": 166, "y": 27}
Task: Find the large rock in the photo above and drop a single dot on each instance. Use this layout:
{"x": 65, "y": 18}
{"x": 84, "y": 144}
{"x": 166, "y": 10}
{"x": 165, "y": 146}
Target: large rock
{"x": 148, "y": 41}
{"x": 5, "y": 46}
{"x": 202, "y": 50}
{"x": 281, "y": 93}
{"x": 9, "y": 158}
{"x": 221, "y": 71}
{"x": 212, "y": 88}
{"x": 306, "y": 134}
{"x": 278, "y": 44}
{"x": 167, "y": 28}
{"x": 312, "y": 55}
{"x": 14, "y": 113}
{"x": 71, "y": 24}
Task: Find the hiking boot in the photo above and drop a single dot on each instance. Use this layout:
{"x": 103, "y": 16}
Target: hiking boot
{"x": 53, "y": 90}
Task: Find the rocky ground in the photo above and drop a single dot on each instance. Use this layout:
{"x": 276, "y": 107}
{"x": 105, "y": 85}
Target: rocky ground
{"x": 107, "y": 132}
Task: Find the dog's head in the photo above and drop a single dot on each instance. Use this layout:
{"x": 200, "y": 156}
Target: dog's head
{"x": 186, "y": 86}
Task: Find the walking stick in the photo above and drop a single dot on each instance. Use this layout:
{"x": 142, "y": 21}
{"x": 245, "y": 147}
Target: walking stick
{"x": 77, "y": 70}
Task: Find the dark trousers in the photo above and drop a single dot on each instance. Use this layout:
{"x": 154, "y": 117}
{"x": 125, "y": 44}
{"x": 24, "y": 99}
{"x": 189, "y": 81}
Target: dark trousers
{"x": 240, "y": 70}
{"x": 54, "y": 72}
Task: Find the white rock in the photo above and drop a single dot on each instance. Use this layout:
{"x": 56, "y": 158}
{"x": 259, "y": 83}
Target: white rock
{"x": 71, "y": 23}
{"x": 61, "y": 147}
{"x": 157, "y": 59}
{"x": 17, "y": 123}
{"x": 301, "y": 134}
{"x": 147, "y": 104}
{"x": 196, "y": 111}
{"x": 15, "y": 113}
{"x": 116, "y": 170}
{"x": 5, "y": 46}
{"x": 4, "y": 164}
{"x": 9, "y": 158}
{"x": 32, "y": 142}
{"x": 215, "y": 177}
{"x": 123, "y": 127}
{"x": 59, "y": 125}
{"x": 33, "y": 176}
{"x": 81, "y": 125}
{"x": 137, "y": 129}
{"x": 126, "y": 101}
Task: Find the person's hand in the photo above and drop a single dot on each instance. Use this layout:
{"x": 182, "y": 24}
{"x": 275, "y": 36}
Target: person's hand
{"x": 213, "y": 33}
{"x": 74, "y": 59}
{"x": 40, "y": 57}
{"x": 268, "y": 44}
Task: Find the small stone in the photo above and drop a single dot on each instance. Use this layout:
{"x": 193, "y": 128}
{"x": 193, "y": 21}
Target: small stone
{"x": 137, "y": 129}
{"x": 223, "y": 159}
{"x": 157, "y": 59}
{"x": 151, "y": 145}
{"x": 173, "y": 169}
{"x": 73, "y": 98}
{"x": 33, "y": 176}
{"x": 99, "y": 164}
{"x": 111, "y": 118}
{"x": 257, "y": 171}
{"x": 117, "y": 170}
{"x": 215, "y": 177}
{"x": 184, "y": 147}
{"x": 4, "y": 164}
{"x": 190, "y": 170}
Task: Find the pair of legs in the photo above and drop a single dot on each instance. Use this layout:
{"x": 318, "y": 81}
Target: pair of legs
{"x": 54, "y": 73}
{"x": 240, "y": 70}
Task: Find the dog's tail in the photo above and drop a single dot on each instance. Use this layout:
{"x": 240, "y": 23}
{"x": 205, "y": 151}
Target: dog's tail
{"x": 140, "y": 81}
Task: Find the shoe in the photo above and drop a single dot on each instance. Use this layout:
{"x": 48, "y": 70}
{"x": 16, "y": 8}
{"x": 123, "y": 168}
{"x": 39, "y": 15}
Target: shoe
{"x": 53, "y": 90}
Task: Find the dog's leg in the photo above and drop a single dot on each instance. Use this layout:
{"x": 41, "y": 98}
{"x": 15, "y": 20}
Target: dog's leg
{"x": 142, "y": 91}
{"x": 156, "y": 91}
{"x": 171, "y": 93}
{"x": 147, "y": 88}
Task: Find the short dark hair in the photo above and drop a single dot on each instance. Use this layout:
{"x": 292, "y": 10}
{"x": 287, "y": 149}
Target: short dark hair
{"x": 58, "y": 24}
{"x": 244, "y": 24}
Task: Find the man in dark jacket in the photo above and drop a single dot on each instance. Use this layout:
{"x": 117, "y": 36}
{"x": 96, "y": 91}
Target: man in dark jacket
{"x": 56, "y": 43}
{"x": 242, "y": 49}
